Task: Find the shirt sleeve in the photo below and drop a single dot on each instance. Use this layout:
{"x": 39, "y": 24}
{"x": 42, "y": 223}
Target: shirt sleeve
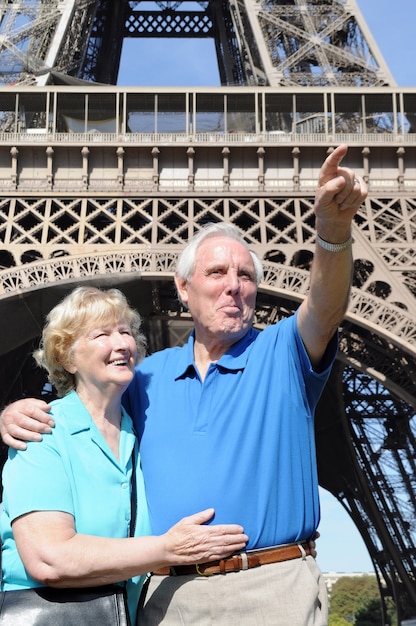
{"x": 35, "y": 480}
{"x": 315, "y": 380}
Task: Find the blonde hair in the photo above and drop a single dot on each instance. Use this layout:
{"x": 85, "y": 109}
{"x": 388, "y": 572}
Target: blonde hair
{"x": 69, "y": 319}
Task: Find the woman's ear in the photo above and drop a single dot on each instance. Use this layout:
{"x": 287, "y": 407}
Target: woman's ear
{"x": 69, "y": 365}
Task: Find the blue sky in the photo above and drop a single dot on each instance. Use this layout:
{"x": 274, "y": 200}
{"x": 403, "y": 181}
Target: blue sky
{"x": 392, "y": 25}
{"x": 340, "y": 547}
{"x": 191, "y": 63}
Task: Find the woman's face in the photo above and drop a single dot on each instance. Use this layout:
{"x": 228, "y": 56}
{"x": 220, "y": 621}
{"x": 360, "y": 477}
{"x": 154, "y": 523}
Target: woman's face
{"x": 103, "y": 357}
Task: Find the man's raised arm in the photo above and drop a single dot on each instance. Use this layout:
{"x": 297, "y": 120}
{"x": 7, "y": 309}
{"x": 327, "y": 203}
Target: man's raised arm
{"x": 339, "y": 195}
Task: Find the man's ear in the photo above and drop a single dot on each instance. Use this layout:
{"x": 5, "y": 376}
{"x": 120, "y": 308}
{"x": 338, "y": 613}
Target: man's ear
{"x": 182, "y": 288}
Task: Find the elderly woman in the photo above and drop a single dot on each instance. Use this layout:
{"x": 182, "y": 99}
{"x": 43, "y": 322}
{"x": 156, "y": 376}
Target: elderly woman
{"x": 67, "y": 504}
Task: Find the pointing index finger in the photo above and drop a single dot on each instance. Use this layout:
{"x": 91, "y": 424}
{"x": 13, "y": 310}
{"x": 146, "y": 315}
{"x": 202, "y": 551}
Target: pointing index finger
{"x": 329, "y": 169}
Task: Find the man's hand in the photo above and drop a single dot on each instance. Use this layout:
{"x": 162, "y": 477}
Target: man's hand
{"x": 339, "y": 195}
{"x": 312, "y": 544}
{"x": 25, "y": 420}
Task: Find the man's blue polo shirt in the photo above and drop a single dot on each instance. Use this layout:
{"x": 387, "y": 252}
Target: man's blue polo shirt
{"x": 73, "y": 470}
{"x": 242, "y": 441}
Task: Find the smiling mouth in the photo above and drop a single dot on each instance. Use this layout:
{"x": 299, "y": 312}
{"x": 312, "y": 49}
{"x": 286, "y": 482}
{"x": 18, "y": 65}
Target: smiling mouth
{"x": 119, "y": 362}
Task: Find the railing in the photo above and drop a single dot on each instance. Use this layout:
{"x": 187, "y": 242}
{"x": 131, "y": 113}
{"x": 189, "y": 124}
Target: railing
{"x": 108, "y": 185}
{"x": 13, "y": 138}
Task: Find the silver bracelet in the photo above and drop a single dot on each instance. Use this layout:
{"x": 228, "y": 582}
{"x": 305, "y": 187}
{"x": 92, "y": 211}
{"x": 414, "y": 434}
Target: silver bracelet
{"x": 333, "y": 247}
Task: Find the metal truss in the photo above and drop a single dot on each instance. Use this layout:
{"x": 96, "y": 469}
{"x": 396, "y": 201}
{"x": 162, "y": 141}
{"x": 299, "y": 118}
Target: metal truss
{"x": 40, "y": 38}
{"x": 383, "y": 445}
{"x": 318, "y": 43}
{"x": 258, "y": 43}
{"x": 270, "y": 42}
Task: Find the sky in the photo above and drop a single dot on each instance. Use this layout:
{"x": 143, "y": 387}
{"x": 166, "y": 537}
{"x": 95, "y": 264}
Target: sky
{"x": 340, "y": 546}
{"x": 392, "y": 26}
{"x": 191, "y": 63}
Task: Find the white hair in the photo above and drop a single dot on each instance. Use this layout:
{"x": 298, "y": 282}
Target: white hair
{"x": 187, "y": 259}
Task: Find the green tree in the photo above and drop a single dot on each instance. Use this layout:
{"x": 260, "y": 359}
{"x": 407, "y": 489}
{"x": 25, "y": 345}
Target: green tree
{"x": 357, "y": 601}
{"x": 370, "y": 614}
{"x": 336, "y": 620}
{"x": 344, "y": 595}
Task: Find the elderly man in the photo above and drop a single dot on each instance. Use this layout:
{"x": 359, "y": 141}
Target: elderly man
{"x": 227, "y": 422}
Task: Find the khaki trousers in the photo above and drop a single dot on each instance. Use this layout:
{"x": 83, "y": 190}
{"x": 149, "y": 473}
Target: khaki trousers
{"x": 292, "y": 593}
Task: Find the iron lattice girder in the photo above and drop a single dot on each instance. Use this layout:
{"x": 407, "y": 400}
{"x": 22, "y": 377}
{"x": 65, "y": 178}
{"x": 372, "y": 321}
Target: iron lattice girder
{"x": 257, "y": 43}
{"x": 103, "y": 53}
{"x": 27, "y": 31}
{"x": 366, "y": 440}
{"x": 383, "y": 435}
{"x": 318, "y": 43}
{"x": 272, "y": 43}
{"x": 40, "y": 37}
{"x": 326, "y": 50}
{"x": 169, "y": 23}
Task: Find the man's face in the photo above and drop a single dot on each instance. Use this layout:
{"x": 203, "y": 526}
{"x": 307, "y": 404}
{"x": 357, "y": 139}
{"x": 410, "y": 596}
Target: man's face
{"x": 222, "y": 292}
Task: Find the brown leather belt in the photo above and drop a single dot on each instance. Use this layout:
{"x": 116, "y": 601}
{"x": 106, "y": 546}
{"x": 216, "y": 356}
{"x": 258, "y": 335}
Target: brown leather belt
{"x": 238, "y": 562}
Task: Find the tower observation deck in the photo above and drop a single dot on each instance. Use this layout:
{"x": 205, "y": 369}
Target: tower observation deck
{"x": 101, "y": 183}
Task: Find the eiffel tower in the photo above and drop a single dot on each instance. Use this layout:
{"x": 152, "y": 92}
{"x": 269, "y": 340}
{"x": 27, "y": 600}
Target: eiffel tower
{"x": 105, "y": 184}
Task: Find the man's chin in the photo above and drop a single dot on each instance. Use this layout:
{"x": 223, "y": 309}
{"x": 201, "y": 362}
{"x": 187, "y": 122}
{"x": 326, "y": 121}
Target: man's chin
{"x": 235, "y": 330}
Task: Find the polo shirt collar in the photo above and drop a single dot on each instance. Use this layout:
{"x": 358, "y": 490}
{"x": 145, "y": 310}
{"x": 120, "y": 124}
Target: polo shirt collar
{"x": 234, "y": 359}
{"x": 79, "y": 418}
